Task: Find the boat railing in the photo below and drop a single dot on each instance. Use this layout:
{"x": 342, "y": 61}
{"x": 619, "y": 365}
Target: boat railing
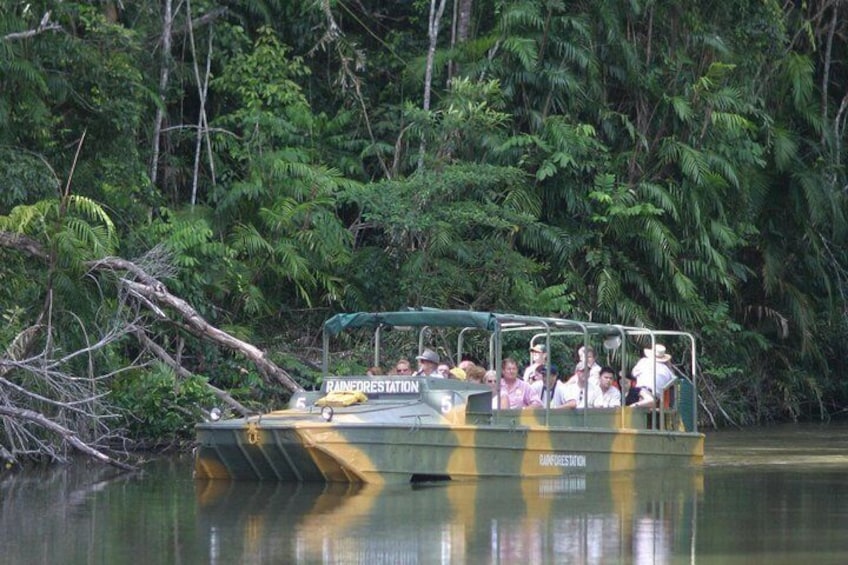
{"x": 665, "y": 411}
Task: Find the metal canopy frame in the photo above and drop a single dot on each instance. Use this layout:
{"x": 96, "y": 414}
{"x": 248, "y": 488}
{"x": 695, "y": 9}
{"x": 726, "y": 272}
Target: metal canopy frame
{"x": 498, "y": 324}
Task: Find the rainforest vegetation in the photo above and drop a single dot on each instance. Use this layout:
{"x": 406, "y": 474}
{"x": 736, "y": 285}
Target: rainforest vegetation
{"x": 188, "y": 188}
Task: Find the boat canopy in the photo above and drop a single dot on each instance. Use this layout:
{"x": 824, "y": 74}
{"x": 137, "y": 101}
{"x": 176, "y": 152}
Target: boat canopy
{"x": 434, "y": 317}
{"x": 415, "y": 318}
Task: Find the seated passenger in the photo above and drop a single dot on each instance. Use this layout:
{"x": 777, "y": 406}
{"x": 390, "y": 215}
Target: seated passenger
{"x": 403, "y": 367}
{"x": 544, "y": 387}
{"x": 610, "y": 395}
{"x": 634, "y": 395}
{"x": 374, "y": 371}
{"x": 499, "y": 399}
{"x": 652, "y": 372}
{"x": 457, "y": 374}
{"x": 586, "y": 357}
{"x": 578, "y": 392}
{"x": 466, "y": 364}
{"x": 428, "y": 364}
{"x": 444, "y": 370}
{"x": 476, "y": 374}
{"x": 538, "y": 358}
{"x": 518, "y": 392}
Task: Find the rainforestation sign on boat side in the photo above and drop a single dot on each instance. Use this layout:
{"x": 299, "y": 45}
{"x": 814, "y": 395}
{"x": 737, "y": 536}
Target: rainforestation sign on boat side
{"x": 374, "y": 386}
{"x": 562, "y": 460}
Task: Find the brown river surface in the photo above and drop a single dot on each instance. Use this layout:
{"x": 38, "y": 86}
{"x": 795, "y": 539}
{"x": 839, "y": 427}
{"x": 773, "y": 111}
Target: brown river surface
{"x": 768, "y": 495}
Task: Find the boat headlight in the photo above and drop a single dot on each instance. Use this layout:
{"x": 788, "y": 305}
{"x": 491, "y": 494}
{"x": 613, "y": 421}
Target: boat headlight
{"x": 327, "y": 413}
{"x": 215, "y": 414}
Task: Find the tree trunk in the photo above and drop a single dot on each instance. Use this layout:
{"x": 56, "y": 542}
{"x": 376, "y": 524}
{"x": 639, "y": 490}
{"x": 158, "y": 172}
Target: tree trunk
{"x": 463, "y": 26}
{"x": 164, "y": 74}
{"x": 433, "y": 34}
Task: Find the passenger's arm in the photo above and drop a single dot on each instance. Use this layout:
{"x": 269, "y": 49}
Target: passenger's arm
{"x": 532, "y": 398}
{"x": 646, "y": 399}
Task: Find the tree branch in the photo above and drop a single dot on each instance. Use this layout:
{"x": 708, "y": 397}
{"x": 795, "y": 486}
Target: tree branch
{"x": 66, "y": 434}
{"x": 184, "y": 373}
{"x": 44, "y": 26}
{"x": 200, "y": 327}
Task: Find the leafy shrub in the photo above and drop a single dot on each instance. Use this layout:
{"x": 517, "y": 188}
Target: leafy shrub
{"x": 159, "y": 407}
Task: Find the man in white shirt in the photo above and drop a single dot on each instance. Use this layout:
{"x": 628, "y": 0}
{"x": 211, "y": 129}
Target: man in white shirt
{"x": 578, "y": 392}
{"x": 610, "y": 395}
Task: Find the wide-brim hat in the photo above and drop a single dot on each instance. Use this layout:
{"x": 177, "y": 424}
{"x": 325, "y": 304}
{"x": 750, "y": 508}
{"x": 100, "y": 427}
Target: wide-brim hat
{"x": 429, "y": 355}
{"x": 658, "y": 353}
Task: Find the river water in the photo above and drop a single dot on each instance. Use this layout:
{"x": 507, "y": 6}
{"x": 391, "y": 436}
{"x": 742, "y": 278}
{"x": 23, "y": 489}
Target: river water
{"x": 771, "y": 495}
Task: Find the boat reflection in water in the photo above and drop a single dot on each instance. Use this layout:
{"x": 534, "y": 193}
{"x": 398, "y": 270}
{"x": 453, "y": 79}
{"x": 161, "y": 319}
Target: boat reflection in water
{"x": 596, "y": 518}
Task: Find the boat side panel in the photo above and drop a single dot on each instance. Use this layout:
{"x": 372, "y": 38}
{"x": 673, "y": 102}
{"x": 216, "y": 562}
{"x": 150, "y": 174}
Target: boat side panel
{"x": 377, "y": 453}
{"x": 382, "y": 454}
{"x": 255, "y": 454}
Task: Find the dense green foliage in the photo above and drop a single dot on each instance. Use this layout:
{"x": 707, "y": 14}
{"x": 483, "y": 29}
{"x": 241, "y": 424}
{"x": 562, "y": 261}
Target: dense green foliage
{"x": 656, "y": 162}
{"x": 160, "y": 406}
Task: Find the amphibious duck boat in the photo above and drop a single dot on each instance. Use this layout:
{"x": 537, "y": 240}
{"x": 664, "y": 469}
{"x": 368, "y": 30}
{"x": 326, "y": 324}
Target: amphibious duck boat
{"x": 396, "y": 429}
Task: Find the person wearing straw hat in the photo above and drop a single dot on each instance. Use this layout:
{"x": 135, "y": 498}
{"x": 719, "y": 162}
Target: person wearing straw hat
{"x": 652, "y": 372}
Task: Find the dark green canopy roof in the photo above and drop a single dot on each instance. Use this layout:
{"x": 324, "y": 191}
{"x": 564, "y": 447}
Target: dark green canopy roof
{"x": 414, "y": 318}
{"x": 490, "y": 321}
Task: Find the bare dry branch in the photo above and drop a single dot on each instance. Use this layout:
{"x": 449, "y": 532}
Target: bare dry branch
{"x": 200, "y": 327}
{"x": 44, "y": 26}
{"x": 66, "y": 434}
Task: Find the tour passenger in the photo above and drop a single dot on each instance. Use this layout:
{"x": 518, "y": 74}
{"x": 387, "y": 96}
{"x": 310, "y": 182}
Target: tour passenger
{"x": 466, "y": 364}
{"x": 403, "y": 367}
{"x": 428, "y": 363}
{"x": 610, "y": 394}
{"x": 586, "y": 358}
{"x": 544, "y": 387}
{"x": 444, "y": 370}
{"x": 652, "y": 372}
{"x": 374, "y": 371}
{"x": 538, "y": 358}
{"x": 457, "y": 374}
{"x": 499, "y": 398}
{"x": 518, "y": 392}
{"x": 578, "y": 392}
{"x": 634, "y": 395}
{"x": 476, "y": 374}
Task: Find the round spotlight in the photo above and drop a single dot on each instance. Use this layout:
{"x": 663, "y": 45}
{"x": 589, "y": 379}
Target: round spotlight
{"x": 613, "y": 342}
{"x": 327, "y": 413}
{"x": 215, "y": 414}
